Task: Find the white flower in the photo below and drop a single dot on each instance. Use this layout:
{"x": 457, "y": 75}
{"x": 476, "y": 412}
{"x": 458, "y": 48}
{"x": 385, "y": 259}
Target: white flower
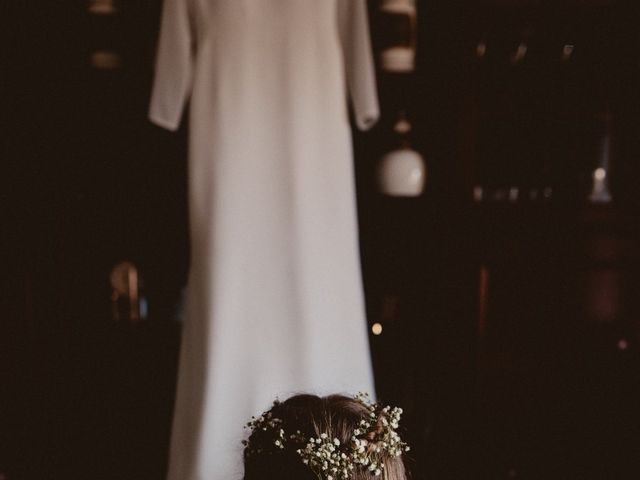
{"x": 327, "y": 456}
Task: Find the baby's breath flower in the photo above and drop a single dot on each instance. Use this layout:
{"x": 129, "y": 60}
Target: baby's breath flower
{"x": 329, "y": 458}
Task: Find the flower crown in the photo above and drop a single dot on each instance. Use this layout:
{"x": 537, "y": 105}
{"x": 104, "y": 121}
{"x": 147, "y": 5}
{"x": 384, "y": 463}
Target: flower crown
{"x": 374, "y": 438}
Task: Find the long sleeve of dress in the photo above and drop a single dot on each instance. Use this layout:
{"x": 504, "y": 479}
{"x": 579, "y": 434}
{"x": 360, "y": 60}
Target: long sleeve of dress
{"x": 360, "y": 72}
{"x": 174, "y": 65}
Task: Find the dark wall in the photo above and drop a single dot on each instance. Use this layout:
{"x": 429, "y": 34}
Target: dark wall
{"x": 90, "y": 183}
{"x": 513, "y": 337}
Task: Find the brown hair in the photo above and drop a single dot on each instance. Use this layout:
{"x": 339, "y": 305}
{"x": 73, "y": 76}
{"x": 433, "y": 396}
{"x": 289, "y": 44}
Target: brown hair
{"x": 335, "y": 415}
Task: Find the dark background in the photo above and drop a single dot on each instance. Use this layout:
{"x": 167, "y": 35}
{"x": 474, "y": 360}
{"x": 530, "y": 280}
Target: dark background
{"x": 510, "y": 329}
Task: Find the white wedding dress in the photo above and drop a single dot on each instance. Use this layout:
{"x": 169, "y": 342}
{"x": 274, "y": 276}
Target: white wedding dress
{"x": 275, "y": 302}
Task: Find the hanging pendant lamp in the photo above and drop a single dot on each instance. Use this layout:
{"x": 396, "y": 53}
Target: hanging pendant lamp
{"x": 402, "y": 172}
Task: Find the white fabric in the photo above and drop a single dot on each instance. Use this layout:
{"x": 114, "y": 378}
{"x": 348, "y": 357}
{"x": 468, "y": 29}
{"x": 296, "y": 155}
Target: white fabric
{"x": 275, "y": 303}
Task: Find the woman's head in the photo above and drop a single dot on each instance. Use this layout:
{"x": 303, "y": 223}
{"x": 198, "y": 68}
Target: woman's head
{"x": 331, "y": 438}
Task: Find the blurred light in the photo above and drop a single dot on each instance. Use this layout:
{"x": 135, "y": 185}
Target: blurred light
{"x": 402, "y": 126}
{"x": 126, "y": 294}
{"x": 106, "y": 60}
{"x": 376, "y": 328}
{"x": 102, "y": 7}
{"x": 600, "y": 174}
{"x": 567, "y": 51}
{"x": 519, "y": 54}
{"x": 481, "y": 49}
{"x": 623, "y": 344}
{"x": 478, "y": 193}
